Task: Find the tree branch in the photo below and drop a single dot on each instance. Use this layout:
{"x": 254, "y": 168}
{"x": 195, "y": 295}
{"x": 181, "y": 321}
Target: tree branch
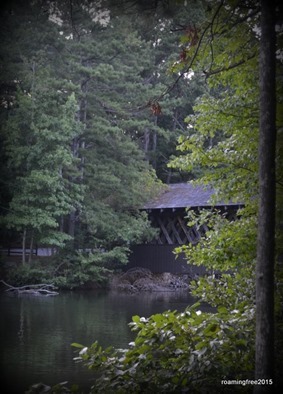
{"x": 222, "y": 69}
{"x": 38, "y": 289}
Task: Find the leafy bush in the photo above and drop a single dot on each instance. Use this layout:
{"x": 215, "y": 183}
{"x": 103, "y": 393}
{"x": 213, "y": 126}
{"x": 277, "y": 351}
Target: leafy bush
{"x": 77, "y": 269}
{"x": 26, "y": 274}
{"x": 68, "y": 271}
{"x": 230, "y": 289}
{"x": 177, "y": 352}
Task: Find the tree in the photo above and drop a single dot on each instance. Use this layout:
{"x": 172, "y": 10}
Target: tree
{"x": 108, "y": 75}
{"x": 38, "y": 134}
{"x": 160, "y": 29}
{"x": 264, "y": 365}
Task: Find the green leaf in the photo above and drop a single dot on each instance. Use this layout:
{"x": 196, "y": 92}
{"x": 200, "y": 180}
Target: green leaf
{"x": 77, "y": 345}
{"x": 136, "y": 319}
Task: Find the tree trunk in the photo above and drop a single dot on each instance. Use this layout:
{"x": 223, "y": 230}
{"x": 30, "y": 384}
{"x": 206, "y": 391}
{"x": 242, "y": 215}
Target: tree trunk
{"x": 146, "y": 143}
{"x": 30, "y": 248}
{"x": 154, "y": 146}
{"x": 83, "y": 119}
{"x": 71, "y": 224}
{"x": 264, "y": 364}
{"x": 24, "y": 246}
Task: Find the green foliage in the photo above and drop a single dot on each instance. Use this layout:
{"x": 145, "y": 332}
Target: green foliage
{"x": 225, "y": 245}
{"x": 70, "y": 132}
{"x": 221, "y": 141}
{"x": 177, "y": 352}
{"x": 80, "y": 139}
{"x": 80, "y": 275}
{"x": 38, "y": 133}
{"x": 29, "y": 274}
{"x": 59, "y": 388}
{"x": 231, "y": 291}
{"x": 65, "y": 270}
{"x": 80, "y": 269}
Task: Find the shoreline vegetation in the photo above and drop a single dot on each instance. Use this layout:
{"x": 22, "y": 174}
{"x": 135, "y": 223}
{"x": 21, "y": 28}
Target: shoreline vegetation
{"x": 42, "y": 278}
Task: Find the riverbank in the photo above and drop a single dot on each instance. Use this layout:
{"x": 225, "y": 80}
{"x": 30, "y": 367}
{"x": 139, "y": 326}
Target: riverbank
{"x": 141, "y": 279}
{"x": 69, "y": 274}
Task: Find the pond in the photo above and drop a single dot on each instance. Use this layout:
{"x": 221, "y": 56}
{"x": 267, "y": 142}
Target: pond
{"x": 36, "y": 332}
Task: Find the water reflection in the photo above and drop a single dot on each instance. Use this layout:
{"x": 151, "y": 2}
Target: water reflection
{"x": 36, "y": 332}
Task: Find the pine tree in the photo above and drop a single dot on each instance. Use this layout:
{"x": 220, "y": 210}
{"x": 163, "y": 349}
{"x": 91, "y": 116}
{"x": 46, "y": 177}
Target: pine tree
{"x": 38, "y": 135}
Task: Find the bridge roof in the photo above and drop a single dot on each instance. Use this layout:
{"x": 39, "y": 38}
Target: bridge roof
{"x": 184, "y": 195}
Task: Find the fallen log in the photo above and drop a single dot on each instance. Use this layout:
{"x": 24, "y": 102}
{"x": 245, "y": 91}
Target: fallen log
{"x": 47, "y": 289}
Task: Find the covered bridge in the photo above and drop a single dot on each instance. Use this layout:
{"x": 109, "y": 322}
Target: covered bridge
{"x": 167, "y": 213}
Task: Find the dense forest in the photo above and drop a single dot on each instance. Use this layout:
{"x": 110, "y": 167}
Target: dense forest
{"x": 83, "y": 142}
{"x": 104, "y": 102}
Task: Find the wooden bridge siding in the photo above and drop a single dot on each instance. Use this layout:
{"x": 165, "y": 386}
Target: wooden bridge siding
{"x": 158, "y": 255}
{"x": 160, "y": 258}
{"x": 173, "y": 229}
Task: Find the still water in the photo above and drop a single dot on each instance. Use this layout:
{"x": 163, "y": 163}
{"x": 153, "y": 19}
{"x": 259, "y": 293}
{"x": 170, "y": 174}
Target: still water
{"x": 36, "y": 332}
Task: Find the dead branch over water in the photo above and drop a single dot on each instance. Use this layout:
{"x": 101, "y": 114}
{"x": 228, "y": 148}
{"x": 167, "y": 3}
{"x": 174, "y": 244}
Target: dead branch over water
{"x": 37, "y": 289}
